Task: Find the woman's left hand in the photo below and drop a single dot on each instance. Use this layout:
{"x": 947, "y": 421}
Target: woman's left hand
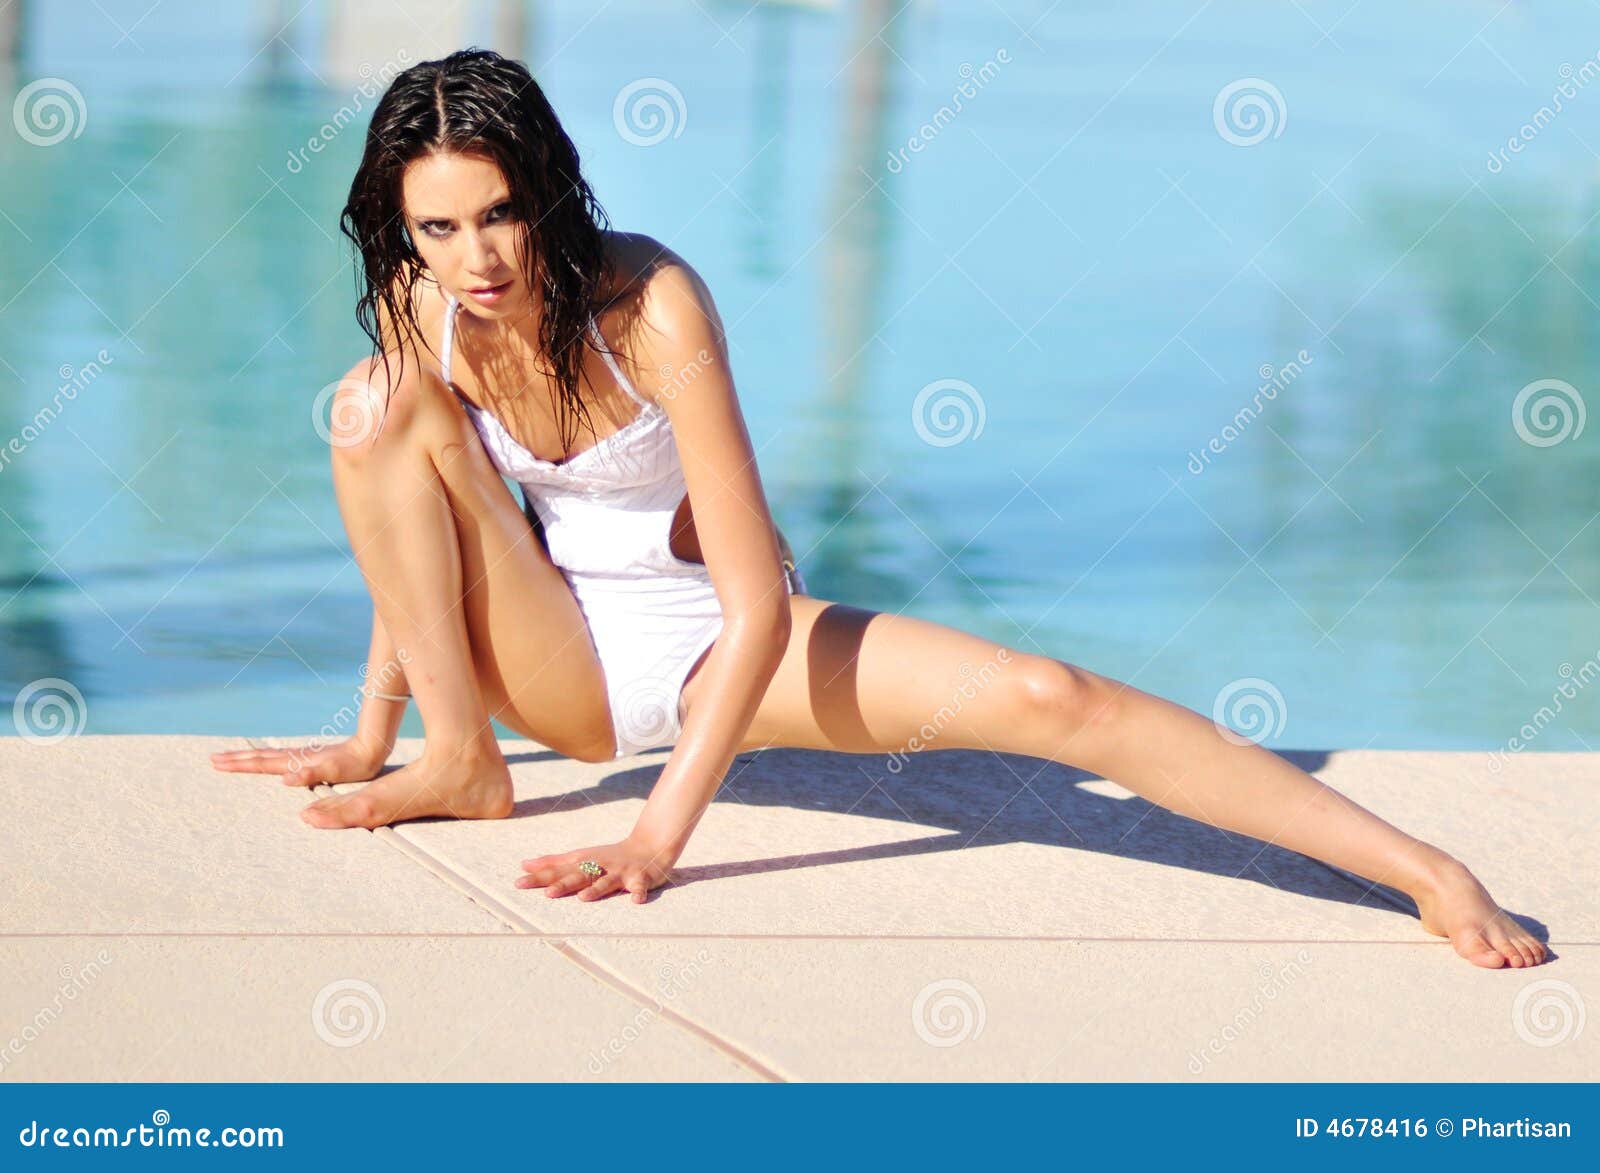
{"x": 630, "y": 864}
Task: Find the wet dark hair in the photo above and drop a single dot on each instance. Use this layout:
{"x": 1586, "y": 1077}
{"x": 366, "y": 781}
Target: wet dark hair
{"x": 479, "y": 103}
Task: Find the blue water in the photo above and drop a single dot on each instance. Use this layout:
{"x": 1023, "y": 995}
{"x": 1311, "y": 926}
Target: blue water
{"x": 1080, "y": 246}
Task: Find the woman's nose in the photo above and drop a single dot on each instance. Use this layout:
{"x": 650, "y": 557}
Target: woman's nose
{"x": 480, "y": 258}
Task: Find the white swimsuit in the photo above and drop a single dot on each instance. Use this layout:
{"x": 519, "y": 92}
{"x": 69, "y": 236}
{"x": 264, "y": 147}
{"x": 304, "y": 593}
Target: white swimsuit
{"x": 607, "y": 516}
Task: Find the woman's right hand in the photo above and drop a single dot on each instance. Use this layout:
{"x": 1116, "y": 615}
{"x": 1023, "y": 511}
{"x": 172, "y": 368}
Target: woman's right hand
{"x": 353, "y": 760}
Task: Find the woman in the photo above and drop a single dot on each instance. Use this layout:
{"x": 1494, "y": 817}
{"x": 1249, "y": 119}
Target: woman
{"x": 651, "y": 603}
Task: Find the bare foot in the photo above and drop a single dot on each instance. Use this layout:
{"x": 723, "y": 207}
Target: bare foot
{"x": 464, "y": 785}
{"x": 1457, "y": 906}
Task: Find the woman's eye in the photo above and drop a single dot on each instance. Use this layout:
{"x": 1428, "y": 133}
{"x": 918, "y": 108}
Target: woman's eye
{"x": 429, "y": 226}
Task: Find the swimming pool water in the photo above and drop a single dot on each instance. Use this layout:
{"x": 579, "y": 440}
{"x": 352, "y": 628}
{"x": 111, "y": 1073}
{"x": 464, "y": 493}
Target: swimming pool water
{"x": 1080, "y": 365}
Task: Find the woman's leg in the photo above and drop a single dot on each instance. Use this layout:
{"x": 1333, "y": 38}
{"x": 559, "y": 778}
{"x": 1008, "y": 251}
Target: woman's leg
{"x": 468, "y": 594}
{"x": 864, "y": 682}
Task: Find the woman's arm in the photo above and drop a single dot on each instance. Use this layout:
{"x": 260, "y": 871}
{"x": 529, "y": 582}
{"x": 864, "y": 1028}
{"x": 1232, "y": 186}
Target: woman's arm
{"x": 686, "y": 348}
{"x": 683, "y": 359}
{"x": 379, "y": 722}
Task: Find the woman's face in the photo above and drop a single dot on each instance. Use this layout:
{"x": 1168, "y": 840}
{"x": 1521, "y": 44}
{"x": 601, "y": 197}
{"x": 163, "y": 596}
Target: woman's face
{"x": 459, "y": 217}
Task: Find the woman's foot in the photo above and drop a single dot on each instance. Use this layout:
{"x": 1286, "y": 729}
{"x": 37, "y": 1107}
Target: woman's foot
{"x": 468, "y": 784}
{"x": 1456, "y": 905}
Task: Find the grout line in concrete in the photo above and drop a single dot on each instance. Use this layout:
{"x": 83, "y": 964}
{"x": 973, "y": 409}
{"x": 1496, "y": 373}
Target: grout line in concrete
{"x": 589, "y": 965}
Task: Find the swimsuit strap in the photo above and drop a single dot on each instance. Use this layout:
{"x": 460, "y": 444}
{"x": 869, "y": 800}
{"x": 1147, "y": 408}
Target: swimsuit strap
{"x": 616, "y": 371}
{"x": 448, "y": 346}
{"x": 449, "y": 338}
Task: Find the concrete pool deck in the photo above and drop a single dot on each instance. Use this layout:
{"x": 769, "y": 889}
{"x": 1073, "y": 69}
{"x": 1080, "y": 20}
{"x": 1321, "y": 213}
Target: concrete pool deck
{"x": 970, "y": 917}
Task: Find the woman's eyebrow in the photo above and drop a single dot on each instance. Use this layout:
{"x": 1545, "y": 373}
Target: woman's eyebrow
{"x": 489, "y": 207}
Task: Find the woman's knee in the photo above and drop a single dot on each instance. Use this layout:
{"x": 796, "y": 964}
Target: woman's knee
{"x": 1062, "y": 695}
{"x": 377, "y": 413}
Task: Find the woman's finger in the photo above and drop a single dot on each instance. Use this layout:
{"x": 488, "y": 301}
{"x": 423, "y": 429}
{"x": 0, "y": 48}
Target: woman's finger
{"x": 251, "y": 761}
{"x": 567, "y": 885}
{"x": 601, "y": 888}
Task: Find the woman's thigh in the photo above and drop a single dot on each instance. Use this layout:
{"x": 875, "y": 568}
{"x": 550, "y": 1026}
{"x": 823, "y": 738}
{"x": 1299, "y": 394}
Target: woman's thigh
{"x": 860, "y": 681}
{"x": 535, "y": 662}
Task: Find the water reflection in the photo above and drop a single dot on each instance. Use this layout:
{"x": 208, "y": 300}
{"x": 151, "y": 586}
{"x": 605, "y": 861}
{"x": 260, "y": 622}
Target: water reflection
{"x": 1379, "y": 540}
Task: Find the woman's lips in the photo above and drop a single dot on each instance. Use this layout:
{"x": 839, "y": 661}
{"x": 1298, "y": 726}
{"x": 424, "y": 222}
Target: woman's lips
{"x": 493, "y": 294}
